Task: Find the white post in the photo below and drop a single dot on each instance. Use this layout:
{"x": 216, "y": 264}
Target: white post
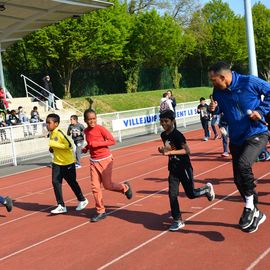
{"x": 2, "y": 79}
{"x": 155, "y": 124}
{"x": 184, "y": 120}
{"x": 13, "y": 147}
{"x": 119, "y": 131}
{"x": 253, "y": 70}
{"x": 25, "y": 86}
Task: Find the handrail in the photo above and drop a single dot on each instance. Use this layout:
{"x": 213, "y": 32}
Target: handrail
{"x": 26, "y": 86}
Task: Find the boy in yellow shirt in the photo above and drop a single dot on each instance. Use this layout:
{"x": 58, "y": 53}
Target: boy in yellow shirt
{"x": 63, "y": 165}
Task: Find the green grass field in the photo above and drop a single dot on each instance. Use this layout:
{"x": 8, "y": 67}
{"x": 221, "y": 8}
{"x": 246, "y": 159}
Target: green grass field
{"x": 131, "y": 101}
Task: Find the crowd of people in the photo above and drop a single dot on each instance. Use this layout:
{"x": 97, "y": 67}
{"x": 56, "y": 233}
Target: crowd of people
{"x": 18, "y": 117}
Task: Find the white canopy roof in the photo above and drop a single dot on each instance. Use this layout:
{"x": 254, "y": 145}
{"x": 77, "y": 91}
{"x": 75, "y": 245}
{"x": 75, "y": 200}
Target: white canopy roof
{"x": 20, "y": 17}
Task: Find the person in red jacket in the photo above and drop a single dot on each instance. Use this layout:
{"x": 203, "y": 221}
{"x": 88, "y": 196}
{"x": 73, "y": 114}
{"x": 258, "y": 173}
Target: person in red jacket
{"x": 3, "y": 96}
{"x": 98, "y": 139}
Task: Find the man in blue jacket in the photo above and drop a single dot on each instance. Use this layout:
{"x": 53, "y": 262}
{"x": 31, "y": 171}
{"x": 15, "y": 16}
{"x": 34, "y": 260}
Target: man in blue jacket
{"x": 239, "y": 98}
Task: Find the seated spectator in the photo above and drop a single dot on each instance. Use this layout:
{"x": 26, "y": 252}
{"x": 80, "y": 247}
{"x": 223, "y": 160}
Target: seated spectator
{"x": 3, "y": 116}
{"x": 35, "y": 115}
{"x": 25, "y": 121}
{"x": 13, "y": 119}
{"x": 35, "y": 118}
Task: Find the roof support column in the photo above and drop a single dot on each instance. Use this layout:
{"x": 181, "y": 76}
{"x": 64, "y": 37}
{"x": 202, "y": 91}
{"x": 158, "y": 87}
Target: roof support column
{"x": 2, "y": 80}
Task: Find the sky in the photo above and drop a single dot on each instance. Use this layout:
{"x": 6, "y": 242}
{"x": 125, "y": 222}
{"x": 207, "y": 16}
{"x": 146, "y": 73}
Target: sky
{"x": 238, "y": 5}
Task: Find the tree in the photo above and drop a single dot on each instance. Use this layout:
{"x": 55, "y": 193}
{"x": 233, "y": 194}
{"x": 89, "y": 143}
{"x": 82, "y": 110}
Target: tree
{"x": 156, "y": 41}
{"x": 261, "y": 21}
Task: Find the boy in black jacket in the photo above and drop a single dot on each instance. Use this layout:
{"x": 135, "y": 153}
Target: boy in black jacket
{"x": 180, "y": 168}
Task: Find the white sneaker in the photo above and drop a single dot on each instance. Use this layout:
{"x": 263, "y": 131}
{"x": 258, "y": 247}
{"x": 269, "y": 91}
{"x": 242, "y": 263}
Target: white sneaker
{"x": 59, "y": 210}
{"x": 211, "y": 193}
{"x": 82, "y": 205}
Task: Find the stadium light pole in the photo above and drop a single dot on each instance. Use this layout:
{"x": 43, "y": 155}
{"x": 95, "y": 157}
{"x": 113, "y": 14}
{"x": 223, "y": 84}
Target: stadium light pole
{"x": 253, "y": 70}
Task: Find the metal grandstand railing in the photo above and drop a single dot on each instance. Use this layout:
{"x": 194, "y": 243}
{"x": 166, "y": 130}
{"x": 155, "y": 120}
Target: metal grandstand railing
{"x": 34, "y": 90}
{"x": 29, "y": 141}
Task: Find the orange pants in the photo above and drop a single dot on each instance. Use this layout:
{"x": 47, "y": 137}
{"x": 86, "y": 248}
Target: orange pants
{"x": 101, "y": 172}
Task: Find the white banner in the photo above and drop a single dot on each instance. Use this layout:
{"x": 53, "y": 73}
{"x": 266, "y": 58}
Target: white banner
{"x": 144, "y": 120}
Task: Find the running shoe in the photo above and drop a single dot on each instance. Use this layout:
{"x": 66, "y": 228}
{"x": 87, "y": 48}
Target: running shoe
{"x": 247, "y": 217}
{"x": 259, "y": 218}
{"x": 8, "y": 204}
{"x": 59, "y": 210}
{"x": 176, "y": 225}
{"x": 210, "y": 194}
{"x": 128, "y": 193}
{"x": 82, "y": 205}
{"x": 98, "y": 217}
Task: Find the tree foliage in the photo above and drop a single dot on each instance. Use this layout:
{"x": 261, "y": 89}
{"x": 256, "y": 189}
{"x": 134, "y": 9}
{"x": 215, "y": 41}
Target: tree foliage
{"x": 261, "y": 21}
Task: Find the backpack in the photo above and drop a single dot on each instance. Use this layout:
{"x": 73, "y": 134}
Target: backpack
{"x": 164, "y": 106}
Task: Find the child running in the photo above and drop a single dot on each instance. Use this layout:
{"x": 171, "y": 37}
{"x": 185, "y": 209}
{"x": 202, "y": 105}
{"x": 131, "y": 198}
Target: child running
{"x": 180, "y": 168}
{"x": 101, "y": 163}
{"x": 7, "y": 202}
{"x": 75, "y": 129}
{"x": 63, "y": 165}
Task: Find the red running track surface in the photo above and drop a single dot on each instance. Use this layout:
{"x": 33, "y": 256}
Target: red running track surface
{"x": 135, "y": 234}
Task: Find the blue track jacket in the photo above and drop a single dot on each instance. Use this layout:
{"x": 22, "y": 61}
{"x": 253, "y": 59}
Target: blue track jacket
{"x": 244, "y": 93}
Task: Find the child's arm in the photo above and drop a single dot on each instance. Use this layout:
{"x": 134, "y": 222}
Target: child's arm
{"x": 85, "y": 149}
{"x": 108, "y": 139}
{"x": 184, "y": 151}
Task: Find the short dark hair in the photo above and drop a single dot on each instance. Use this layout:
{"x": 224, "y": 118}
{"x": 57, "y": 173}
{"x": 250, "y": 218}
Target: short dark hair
{"x": 219, "y": 66}
{"x": 165, "y": 94}
{"x": 88, "y": 111}
{"x": 202, "y": 98}
{"x": 167, "y": 114}
{"x": 55, "y": 117}
{"x": 74, "y": 117}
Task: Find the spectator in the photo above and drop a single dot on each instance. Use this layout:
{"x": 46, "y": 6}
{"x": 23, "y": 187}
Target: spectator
{"x": 3, "y": 97}
{"x": 13, "y": 119}
{"x": 50, "y": 92}
{"x": 165, "y": 103}
{"x": 3, "y": 116}
{"x": 202, "y": 109}
{"x": 75, "y": 130}
{"x": 172, "y": 98}
{"x": 35, "y": 117}
{"x": 25, "y": 121}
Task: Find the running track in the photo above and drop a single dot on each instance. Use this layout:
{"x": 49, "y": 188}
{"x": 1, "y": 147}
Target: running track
{"x": 135, "y": 235}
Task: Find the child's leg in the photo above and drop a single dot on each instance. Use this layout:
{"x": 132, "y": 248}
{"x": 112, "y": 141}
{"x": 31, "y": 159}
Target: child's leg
{"x": 187, "y": 181}
{"x": 205, "y": 128}
{"x": 7, "y": 202}
{"x": 78, "y": 152}
{"x": 2, "y": 200}
{"x": 214, "y": 130}
{"x": 173, "y": 196}
{"x": 57, "y": 179}
{"x": 106, "y": 175}
{"x": 96, "y": 186}
{"x": 69, "y": 174}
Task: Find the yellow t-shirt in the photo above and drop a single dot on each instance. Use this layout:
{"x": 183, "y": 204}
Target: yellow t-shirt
{"x": 62, "y": 148}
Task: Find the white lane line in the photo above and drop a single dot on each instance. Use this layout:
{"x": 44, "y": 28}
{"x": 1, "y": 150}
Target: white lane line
{"x": 261, "y": 257}
{"x": 117, "y": 148}
{"x": 130, "y": 179}
{"x": 109, "y": 213}
{"x": 161, "y": 234}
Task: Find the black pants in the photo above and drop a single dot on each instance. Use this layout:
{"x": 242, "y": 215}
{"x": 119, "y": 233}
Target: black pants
{"x": 205, "y": 126}
{"x": 243, "y": 157}
{"x": 185, "y": 177}
{"x": 68, "y": 172}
